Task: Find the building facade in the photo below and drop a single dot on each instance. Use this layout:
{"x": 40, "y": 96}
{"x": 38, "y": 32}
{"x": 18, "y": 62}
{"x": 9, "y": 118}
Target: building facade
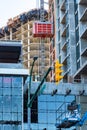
{"x": 70, "y": 43}
{"x": 12, "y": 79}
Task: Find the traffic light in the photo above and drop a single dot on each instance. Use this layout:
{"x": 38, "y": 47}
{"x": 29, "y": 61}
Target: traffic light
{"x": 58, "y": 71}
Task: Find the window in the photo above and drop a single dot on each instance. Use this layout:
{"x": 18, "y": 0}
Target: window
{"x": 77, "y": 35}
{"x": 76, "y": 5}
{"x": 77, "y": 51}
{"x": 10, "y": 100}
{"x": 76, "y": 19}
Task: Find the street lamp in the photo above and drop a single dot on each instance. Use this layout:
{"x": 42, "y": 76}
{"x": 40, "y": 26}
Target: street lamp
{"x": 29, "y": 90}
{"x": 34, "y": 59}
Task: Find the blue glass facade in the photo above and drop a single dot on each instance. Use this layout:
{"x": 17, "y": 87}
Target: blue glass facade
{"x": 47, "y": 111}
{"x": 11, "y": 116}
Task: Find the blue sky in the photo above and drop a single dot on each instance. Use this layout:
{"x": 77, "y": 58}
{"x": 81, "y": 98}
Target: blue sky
{"x": 12, "y": 8}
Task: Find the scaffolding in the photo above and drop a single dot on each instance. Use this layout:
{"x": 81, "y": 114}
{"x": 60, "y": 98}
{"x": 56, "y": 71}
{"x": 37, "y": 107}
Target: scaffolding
{"x": 67, "y": 115}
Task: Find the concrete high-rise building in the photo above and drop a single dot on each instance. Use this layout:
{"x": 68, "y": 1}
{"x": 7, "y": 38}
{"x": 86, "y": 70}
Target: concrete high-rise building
{"x": 70, "y": 42}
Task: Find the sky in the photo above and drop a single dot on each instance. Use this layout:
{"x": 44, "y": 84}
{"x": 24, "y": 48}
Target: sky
{"x": 12, "y": 8}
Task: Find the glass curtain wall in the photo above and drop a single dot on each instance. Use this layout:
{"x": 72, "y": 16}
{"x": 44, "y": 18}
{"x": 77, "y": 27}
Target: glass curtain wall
{"x": 10, "y": 103}
{"x": 47, "y": 111}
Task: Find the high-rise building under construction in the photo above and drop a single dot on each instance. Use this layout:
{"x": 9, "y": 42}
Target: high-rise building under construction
{"x": 21, "y": 28}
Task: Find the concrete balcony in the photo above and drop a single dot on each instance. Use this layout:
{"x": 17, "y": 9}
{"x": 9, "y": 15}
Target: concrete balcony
{"x": 84, "y": 16}
{"x": 63, "y": 34}
{"x": 82, "y": 70}
{"x": 63, "y": 6}
{"x": 84, "y": 52}
{"x": 83, "y": 2}
{"x": 84, "y": 34}
{"x": 63, "y": 20}
{"x": 64, "y": 60}
{"x": 65, "y": 73}
{"x": 64, "y": 46}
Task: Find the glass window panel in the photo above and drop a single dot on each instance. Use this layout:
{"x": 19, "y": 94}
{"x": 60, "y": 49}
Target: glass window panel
{"x": 14, "y": 116}
{"x": 7, "y": 91}
{"x": 7, "y": 127}
{"x": 19, "y": 127}
{"x": 1, "y": 103}
{"x": 6, "y": 104}
{"x": 76, "y": 5}
{"x": 42, "y": 98}
{"x": 78, "y": 64}
{"x": 16, "y": 81}
{"x": 1, "y": 116}
{"x": 16, "y": 127}
{"x": 34, "y": 126}
{"x": 16, "y": 91}
{"x": 1, "y": 127}
{"x": 16, "y": 103}
{"x": 7, "y": 116}
{"x": 51, "y": 117}
{"x": 51, "y": 105}
{"x": 50, "y": 98}
{"x": 42, "y": 105}
{"x": 6, "y": 81}
{"x": 0, "y": 91}
{"x": 42, "y": 118}
{"x": 0, "y": 81}
{"x": 19, "y": 116}
{"x": 57, "y": 104}
{"x": 51, "y": 127}
{"x": 69, "y": 98}
{"x": 76, "y": 19}
{"x": 77, "y": 35}
{"x": 77, "y": 51}
{"x": 59, "y": 98}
